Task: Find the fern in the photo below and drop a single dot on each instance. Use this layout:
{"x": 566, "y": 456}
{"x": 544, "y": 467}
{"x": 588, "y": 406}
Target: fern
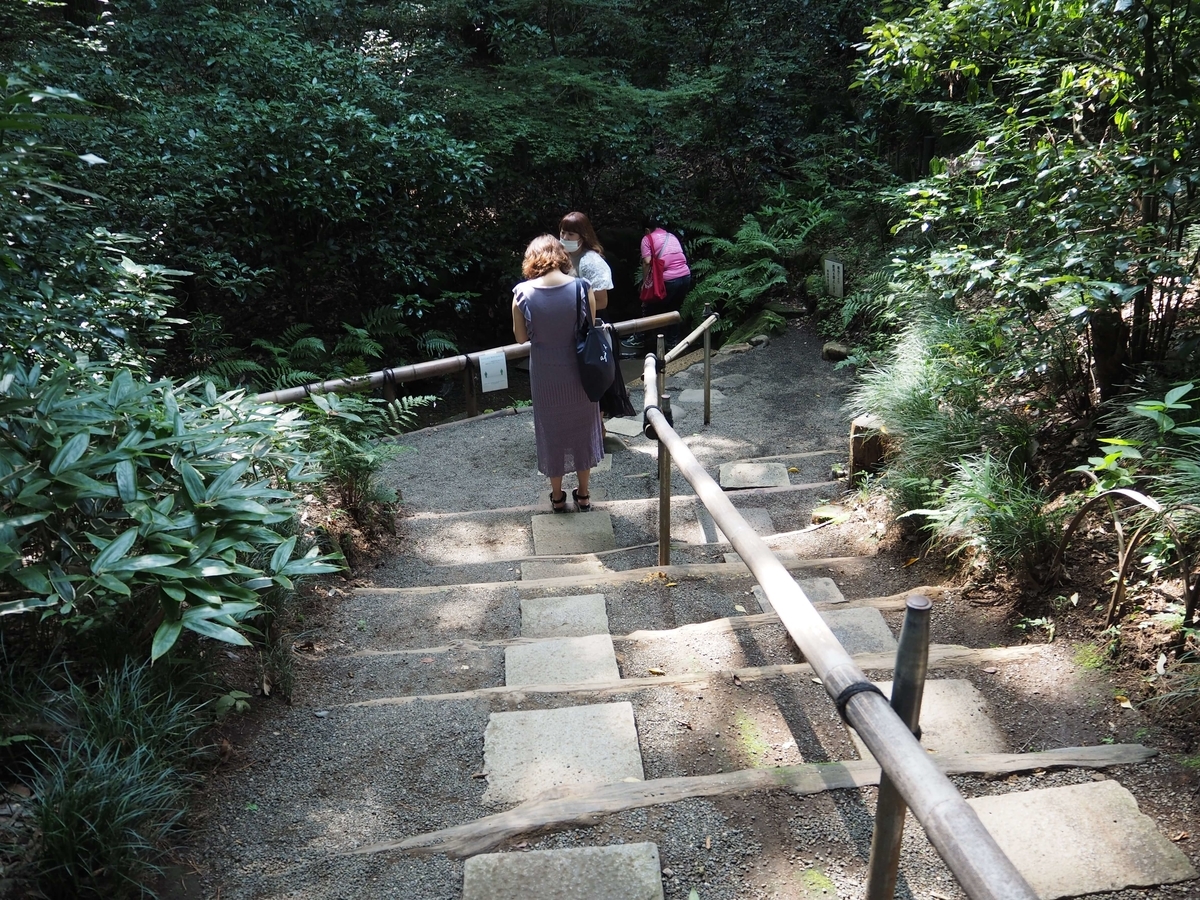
{"x": 400, "y": 414}
{"x": 433, "y": 344}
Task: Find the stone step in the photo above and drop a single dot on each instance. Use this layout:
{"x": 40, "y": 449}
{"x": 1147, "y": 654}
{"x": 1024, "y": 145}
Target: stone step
{"x": 570, "y": 660}
{"x": 954, "y": 720}
{"x": 1081, "y": 839}
{"x": 528, "y": 752}
{"x": 616, "y": 872}
{"x": 543, "y": 617}
{"x": 500, "y": 537}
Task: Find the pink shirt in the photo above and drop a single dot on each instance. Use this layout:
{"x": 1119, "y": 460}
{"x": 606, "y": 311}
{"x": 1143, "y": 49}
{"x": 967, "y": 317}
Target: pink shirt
{"x": 674, "y": 262}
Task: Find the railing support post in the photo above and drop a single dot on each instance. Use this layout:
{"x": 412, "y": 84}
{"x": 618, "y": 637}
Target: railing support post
{"x": 908, "y": 687}
{"x": 469, "y": 389}
{"x": 707, "y": 367}
{"x": 664, "y": 464}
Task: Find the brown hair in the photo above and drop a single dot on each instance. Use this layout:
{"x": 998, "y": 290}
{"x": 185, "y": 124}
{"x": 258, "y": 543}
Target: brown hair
{"x": 578, "y": 223}
{"x": 545, "y": 254}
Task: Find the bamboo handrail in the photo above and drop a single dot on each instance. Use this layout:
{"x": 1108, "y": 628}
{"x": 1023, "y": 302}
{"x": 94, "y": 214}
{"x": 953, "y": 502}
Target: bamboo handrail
{"x": 433, "y": 368}
{"x": 968, "y": 849}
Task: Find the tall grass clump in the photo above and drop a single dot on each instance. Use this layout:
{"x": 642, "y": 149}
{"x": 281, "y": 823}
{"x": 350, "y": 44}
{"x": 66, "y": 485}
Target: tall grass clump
{"x": 110, "y": 783}
{"x": 991, "y": 506}
{"x": 959, "y": 460}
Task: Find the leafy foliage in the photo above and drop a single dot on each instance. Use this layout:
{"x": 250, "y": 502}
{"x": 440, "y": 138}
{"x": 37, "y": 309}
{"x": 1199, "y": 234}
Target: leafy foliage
{"x": 122, "y": 498}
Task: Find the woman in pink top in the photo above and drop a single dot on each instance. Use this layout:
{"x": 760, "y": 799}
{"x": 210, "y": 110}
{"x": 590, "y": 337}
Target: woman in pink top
{"x": 678, "y": 277}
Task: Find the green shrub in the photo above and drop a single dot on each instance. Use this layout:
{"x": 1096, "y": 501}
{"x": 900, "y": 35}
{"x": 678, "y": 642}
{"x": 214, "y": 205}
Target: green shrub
{"x": 132, "y": 503}
{"x": 990, "y": 506}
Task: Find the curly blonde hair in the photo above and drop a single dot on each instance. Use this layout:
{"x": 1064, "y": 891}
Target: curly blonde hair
{"x": 544, "y": 254}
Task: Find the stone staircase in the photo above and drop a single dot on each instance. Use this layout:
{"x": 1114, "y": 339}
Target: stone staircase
{"x": 525, "y": 705}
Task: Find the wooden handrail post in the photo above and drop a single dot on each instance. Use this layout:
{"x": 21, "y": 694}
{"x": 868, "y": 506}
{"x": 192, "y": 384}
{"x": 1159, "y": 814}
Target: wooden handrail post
{"x": 908, "y": 687}
{"x": 664, "y": 462}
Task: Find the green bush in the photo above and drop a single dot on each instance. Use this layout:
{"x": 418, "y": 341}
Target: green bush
{"x": 134, "y": 503}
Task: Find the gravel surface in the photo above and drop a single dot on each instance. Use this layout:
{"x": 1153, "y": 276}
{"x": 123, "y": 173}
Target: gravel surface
{"x": 308, "y": 783}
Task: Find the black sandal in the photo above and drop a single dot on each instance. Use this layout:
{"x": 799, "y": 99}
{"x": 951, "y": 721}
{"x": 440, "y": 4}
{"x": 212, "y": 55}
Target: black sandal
{"x": 583, "y": 502}
{"x": 559, "y": 505}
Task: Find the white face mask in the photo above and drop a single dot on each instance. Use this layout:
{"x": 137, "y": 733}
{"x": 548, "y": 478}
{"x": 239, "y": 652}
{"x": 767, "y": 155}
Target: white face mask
{"x": 570, "y": 246}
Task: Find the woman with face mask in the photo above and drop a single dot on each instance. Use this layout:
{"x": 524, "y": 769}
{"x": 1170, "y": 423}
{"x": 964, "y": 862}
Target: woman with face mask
{"x": 587, "y": 256}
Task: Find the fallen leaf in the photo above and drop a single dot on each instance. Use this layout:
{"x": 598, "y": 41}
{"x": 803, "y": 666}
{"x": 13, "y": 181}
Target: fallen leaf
{"x": 304, "y": 647}
{"x": 817, "y": 681}
{"x": 739, "y": 607}
{"x": 687, "y": 725}
{"x": 1161, "y": 666}
{"x": 792, "y": 470}
{"x": 1182, "y": 836}
{"x": 18, "y": 790}
{"x": 707, "y": 837}
{"x": 426, "y": 659}
{"x": 480, "y": 775}
{"x": 521, "y": 846}
{"x": 321, "y": 713}
{"x": 1124, "y": 701}
{"x": 266, "y": 685}
{"x": 671, "y": 583}
{"x": 737, "y": 681}
{"x": 991, "y": 670}
{"x": 910, "y": 561}
{"x": 656, "y": 672}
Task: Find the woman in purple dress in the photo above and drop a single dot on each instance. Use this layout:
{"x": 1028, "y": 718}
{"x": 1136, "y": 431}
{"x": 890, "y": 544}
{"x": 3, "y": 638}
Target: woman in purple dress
{"x": 546, "y": 312}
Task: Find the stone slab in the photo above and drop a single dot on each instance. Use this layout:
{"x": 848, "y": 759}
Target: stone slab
{"x": 1081, "y": 839}
{"x": 735, "y": 476}
{"x": 860, "y": 630}
{"x": 954, "y": 719}
{"x": 543, "y": 617}
{"x": 560, "y": 534}
{"x": 568, "y": 660}
{"x": 626, "y": 427}
{"x": 615, "y": 872}
{"x": 817, "y": 590}
{"x": 706, "y": 531}
{"x": 528, "y": 752}
{"x": 696, "y": 395}
{"x": 731, "y": 382}
{"x": 605, "y": 465}
{"x": 533, "y": 569}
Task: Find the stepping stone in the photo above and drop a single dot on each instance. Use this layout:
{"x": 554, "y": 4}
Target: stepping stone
{"x": 563, "y": 616}
{"x": 954, "y": 719}
{"x": 568, "y": 660}
{"x": 605, "y": 465}
{"x": 706, "y": 531}
{"x": 860, "y": 630}
{"x": 534, "y": 569}
{"x": 616, "y": 872}
{"x": 730, "y": 382}
{"x": 561, "y": 534}
{"x": 626, "y": 427}
{"x": 526, "y": 753}
{"x": 613, "y": 444}
{"x": 695, "y": 395}
{"x": 735, "y": 476}
{"x": 1081, "y": 839}
{"x": 817, "y": 590}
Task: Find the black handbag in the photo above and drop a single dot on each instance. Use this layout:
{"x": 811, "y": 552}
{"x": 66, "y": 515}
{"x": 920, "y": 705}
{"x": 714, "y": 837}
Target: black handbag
{"x": 616, "y": 402}
{"x": 593, "y": 350}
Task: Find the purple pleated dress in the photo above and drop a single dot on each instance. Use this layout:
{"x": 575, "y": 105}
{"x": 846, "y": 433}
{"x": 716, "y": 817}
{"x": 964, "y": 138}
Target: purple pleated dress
{"x": 565, "y": 422}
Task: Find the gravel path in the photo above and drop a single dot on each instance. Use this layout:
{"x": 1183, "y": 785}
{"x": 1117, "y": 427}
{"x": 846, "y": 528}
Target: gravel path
{"x": 310, "y": 782}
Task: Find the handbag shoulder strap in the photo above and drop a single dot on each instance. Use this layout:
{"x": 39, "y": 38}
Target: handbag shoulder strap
{"x": 583, "y": 313}
{"x": 663, "y": 248}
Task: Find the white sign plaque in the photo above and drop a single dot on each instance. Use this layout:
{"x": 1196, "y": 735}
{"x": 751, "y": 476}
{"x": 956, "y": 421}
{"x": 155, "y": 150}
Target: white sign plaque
{"x": 493, "y": 371}
{"x": 833, "y": 278}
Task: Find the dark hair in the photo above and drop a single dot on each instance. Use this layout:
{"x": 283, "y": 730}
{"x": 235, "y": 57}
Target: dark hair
{"x": 544, "y": 254}
{"x": 578, "y": 223}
